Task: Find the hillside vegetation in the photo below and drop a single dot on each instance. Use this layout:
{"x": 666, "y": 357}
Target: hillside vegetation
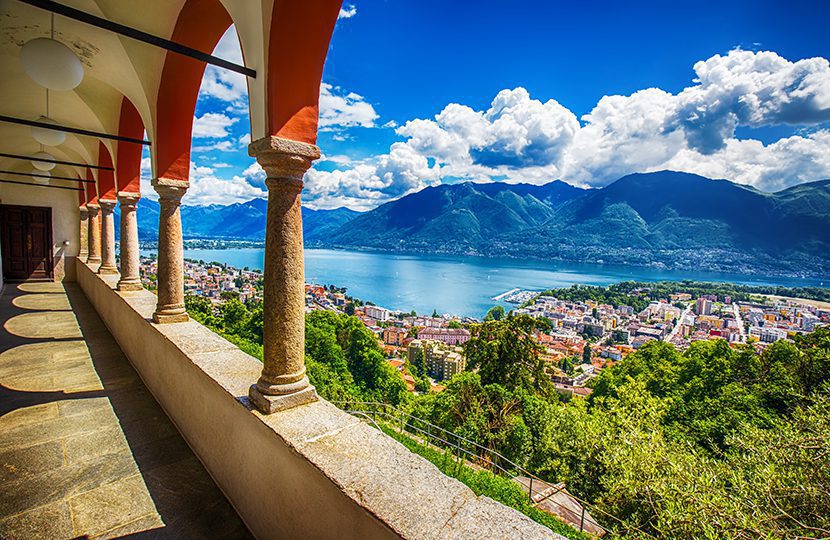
{"x": 714, "y": 442}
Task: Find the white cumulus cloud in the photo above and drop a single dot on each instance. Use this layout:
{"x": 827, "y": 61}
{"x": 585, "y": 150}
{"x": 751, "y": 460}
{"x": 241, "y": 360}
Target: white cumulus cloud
{"x": 521, "y": 138}
{"x": 347, "y": 11}
{"x": 223, "y": 84}
{"x": 212, "y": 126}
{"x": 745, "y": 88}
{"x": 367, "y": 184}
{"x": 339, "y": 109}
{"x": 208, "y": 188}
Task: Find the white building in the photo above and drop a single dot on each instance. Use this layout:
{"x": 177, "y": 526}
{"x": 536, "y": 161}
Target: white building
{"x": 376, "y": 312}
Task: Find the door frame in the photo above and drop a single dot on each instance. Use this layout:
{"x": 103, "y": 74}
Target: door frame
{"x": 50, "y": 259}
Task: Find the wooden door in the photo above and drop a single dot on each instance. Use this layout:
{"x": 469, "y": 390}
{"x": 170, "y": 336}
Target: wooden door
{"x": 26, "y": 237}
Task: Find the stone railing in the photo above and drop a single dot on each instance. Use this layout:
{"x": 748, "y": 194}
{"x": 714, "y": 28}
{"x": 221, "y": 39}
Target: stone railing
{"x": 309, "y": 472}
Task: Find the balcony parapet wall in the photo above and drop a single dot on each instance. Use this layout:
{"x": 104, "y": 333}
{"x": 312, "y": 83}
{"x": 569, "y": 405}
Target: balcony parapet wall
{"x": 308, "y": 472}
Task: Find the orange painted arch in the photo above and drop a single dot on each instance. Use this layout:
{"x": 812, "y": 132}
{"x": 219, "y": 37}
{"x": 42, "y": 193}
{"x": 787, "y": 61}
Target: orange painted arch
{"x": 82, "y": 193}
{"x": 89, "y": 188}
{"x": 201, "y": 25}
{"x": 106, "y": 179}
{"x": 128, "y": 170}
{"x": 299, "y": 41}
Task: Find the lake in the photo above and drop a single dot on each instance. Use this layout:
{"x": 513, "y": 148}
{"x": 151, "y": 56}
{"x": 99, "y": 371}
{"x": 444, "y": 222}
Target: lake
{"x": 459, "y": 285}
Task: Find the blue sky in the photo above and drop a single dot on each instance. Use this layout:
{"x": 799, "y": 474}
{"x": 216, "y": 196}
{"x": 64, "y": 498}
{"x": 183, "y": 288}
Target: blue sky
{"x": 419, "y": 93}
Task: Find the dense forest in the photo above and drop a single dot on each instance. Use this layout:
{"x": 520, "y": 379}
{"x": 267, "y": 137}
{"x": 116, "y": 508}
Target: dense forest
{"x": 714, "y": 442}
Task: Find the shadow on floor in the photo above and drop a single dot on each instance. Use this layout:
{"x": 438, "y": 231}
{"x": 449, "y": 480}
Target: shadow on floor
{"x": 187, "y": 502}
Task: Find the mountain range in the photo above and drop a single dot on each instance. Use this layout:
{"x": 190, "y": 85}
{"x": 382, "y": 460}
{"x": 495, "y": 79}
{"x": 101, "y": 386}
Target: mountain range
{"x": 663, "y": 219}
{"x": 239, "y": 221}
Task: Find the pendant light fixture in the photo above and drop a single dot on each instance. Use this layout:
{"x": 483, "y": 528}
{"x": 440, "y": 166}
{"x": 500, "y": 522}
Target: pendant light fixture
{"x": 50, "y": 63}
{"x": 37, "y": 176}
{"x": 45, "y": 136}
{"x": 43, "y": 165}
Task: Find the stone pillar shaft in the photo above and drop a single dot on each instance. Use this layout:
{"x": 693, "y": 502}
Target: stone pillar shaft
{"x": 94, "y": 236}
{"x": 83, "y": 235}
{"x": 108, "y": 265}
{"x": 170, "y": 277}
{"x": 130, "y": 278}
{"x": 283, "y": 383}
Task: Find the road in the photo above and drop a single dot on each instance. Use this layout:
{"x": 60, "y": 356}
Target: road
{"x": 740, "y": 322}
{"x": 677, "y": 326}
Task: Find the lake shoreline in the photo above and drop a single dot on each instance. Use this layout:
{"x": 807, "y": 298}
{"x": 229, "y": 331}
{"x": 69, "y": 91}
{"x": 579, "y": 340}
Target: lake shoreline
{"x": 460, "y": 285}
{"x": 221, "y": 244}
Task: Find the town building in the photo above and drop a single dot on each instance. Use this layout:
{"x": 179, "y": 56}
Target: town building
{"x": 450, "y": 336}
{"x": 376, "y": 312}
{"x": 442, "y": 360}
{"x": 393, "y": 335}
{"x": 703, "y": 306}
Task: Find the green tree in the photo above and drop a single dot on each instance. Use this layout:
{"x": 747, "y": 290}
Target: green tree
{"x": 495, "y": 313}
{"x": 235, "y": 316}
{"x": 506, "y": 353}
{"x": 586, "y": 354}
{"x": 229, "y": 295}
{"x": 344, "y": 344}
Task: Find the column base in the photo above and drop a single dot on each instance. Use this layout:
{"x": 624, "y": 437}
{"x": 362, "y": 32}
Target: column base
{"x": 270, "y": 404}
{"x": 166, "y": 318}
{"x": 93, "y": 260}
{"x": 129, "y": 286}
{"x": 107, "y": 269}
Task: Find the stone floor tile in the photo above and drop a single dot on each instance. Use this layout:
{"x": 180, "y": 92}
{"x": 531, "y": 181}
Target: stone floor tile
{"x": 29, "y": 415}
{"x": 25, "y": 461}
{"x": 79, "y": 425}
{"x": 44, "y": 325}
{"x": 51, "y": 522}
{"x": 94, "y": 444}
{"x": 151, "y": 525}
{"x": 111, "y": 505}
{"x": 64, "y": 482}
{"x": 42, "y": 302}
{"x": 56, "y": 428}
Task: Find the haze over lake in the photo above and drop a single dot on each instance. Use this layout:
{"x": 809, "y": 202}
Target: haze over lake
{"x": 459, "y": 285}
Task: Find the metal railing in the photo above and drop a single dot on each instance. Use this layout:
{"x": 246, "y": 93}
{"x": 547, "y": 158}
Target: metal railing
{"x": 477, "y": 456}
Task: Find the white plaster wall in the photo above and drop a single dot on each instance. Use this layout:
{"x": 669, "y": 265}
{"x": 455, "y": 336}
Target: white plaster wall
{"x": 65, "y": 221}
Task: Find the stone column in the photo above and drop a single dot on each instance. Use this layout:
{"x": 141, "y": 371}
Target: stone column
{"x": 108, "y": 265}
{"x": 94, "y": 236}
{"x": 83, "y": 235}
{"x": 283, "y": 383}
{"x": 170, "y": 277}
{"x": 130, "y": 278}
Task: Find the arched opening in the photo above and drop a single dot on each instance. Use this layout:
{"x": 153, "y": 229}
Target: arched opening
{"x": 128, "y": 162}
{"x": 201, "y": 24}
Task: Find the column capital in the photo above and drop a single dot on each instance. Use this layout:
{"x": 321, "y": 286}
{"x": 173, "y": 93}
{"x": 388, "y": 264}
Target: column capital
{"x": 93, "y": 209}
{"x": 283, "y": 159}
{"x": 169, "y": 189}
{"x": 107, "y": 205}
{"x": 83, "y": 211}
{"x": 128, "y": 197}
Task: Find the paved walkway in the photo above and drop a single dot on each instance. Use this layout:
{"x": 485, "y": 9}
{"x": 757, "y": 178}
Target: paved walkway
{"x": 85, "y": 450}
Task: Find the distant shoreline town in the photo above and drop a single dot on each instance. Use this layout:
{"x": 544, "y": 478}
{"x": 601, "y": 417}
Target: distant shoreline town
{"x": 230, "y": 243}
{"x": 591, "y": 328}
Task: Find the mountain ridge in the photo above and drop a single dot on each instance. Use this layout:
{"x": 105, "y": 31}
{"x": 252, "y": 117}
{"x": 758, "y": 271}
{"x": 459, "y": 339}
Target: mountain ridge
{"x": 663, "y": 219}
{"x": 238, "y": 221}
